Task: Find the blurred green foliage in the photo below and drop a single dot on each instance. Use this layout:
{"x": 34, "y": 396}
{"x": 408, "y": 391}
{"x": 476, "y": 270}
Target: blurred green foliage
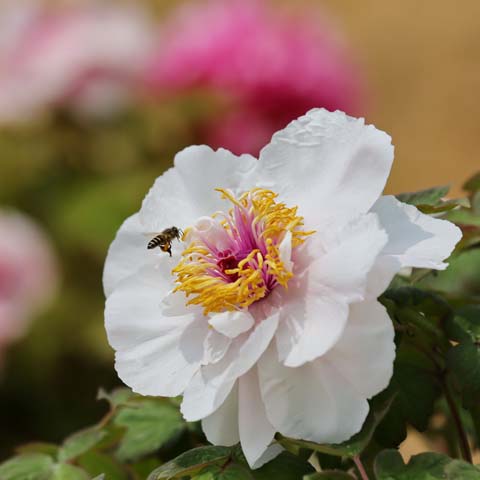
{"x": 79, "y": 178}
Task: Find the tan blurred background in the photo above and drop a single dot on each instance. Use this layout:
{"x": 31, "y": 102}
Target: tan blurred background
{"x": 422, "y": 61}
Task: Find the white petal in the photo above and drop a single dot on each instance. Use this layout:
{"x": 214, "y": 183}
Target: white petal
{"x": 365, "y": 352}
{"x": 420, "y": 240}
{"x": 349, "y": 254}
{"x": 203, "y": 169}
{"x": 160, "y": 367}
{"x": 216, "y": 346}
{"x": 315, "y": 307}
{"x": 167, "y": 204}
{"x": 382, "y": 273}
{"x": 133, "y": 311}
{"x": 414, "y": 240}
{"x": 221, "y": 427}
{"x": 127, "y": 254}
{"x": 232, "y": 324}
{"x": 211, "y": 385}
{"x": 187, "y": 191}
{"x": 313, "y": 402}
{"x": 268, "y": 455}
{"x": 173, "y": 304}
{"x": 210, "y": 232}
{"x": 329, "y": 164}
{"x": 285, "y": 251}
{"x": 256, "y": 432}
{"x": 308, "y": 328}
{"x": 156, "y": 354}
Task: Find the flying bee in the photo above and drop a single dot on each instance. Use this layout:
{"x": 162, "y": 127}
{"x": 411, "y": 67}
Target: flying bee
{"x": 164, "y": 239}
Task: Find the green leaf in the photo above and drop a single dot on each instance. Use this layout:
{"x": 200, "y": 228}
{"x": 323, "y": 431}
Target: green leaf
{"x": 464, "y": 361}
{"x": 221, "y": 463}
{"x": 464, "y": 218}
{"x": 465, "y": 325}
{"x": 426, "y": 466}
{"x": 97, "y": 463}
{"x": 329, "y": 475}
{"x": 388, "y": 462}
{"x": 472, "y": 184}
{"x": 430, "y": 196}
{"x": 430, "y": 201}
{"x": 412, "y": 380}
{"x": 475, "y": 202}
{"x": 114, "y": 434}
{"x": 142, "y": 468}
{"x": 192, "y": 462}
{"x": 149, "y": 426}
{"x": 117, "y": 397}
{"x": 444, "y": 206}
{"x": 420, "y": 318}
{"x": 328, "y": 462}
{"x": 232, "y": 471}
{"x": 39, "y": 447}
{"x": 470, "y": 239}
{"x": 461, "y": 278}
{"x": 422, "y": 314}
{"x": 379, "y": 406}
{"x": 80, "y": 443}
{"x": 389, "y": 466}
{"x": 459, "y": 470}
{"x": 65, "y": 471}
{"x": 392, "y": 430}
{"x": 284, "y": 467}
{"x": 27, "y": 467}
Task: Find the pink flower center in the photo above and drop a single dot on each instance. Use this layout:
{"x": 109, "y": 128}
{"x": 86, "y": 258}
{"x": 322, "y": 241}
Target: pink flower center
{"x": 237, "y": 258}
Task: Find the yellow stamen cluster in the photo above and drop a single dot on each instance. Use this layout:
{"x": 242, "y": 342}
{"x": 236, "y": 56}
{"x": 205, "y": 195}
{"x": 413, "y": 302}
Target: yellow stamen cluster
{"x": 275, "y": 265}
{"x": 247, "y": 284}
{"x": 277, "y": 217}
{"x": 213, "y": 293}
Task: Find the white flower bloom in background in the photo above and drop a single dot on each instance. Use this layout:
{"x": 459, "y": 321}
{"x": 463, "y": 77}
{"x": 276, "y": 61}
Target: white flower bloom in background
{"x": 266, "y": 320}
{"x": 28, "y": 274}
{"x": 86, "y": 57}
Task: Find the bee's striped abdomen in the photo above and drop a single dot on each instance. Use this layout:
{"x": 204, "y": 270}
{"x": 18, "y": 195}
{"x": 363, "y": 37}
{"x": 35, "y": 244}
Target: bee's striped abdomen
{"x": 156, "y": 242}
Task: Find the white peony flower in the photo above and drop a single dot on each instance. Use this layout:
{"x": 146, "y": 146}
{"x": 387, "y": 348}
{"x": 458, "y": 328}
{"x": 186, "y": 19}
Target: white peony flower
{"x": 266, "y": 319}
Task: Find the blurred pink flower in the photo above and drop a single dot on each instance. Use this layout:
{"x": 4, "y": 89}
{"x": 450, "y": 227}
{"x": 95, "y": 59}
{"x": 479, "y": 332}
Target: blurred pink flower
{"x": 85, "y": 56}
{"x": 28, "y": 274}
{"x": 271, "y": 66}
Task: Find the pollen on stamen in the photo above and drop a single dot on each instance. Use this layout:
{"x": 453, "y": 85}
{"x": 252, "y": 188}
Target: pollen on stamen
{"x": 235, "y": 259}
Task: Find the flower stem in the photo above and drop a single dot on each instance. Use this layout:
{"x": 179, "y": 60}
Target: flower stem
{"x": 462, "y": 435}
{"x": 360, "y": 467}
